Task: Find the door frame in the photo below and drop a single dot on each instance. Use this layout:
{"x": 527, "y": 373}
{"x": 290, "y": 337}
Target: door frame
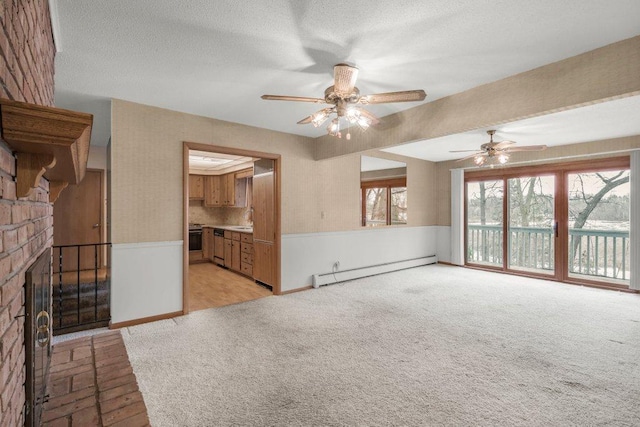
{"x": 561, "y": 170}
{"x": 188, "y": 145}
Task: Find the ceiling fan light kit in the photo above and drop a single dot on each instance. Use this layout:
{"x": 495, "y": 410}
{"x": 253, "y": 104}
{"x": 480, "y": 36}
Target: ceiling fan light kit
{"x": 346, "y": 100}
{"x": 495, "y": 153}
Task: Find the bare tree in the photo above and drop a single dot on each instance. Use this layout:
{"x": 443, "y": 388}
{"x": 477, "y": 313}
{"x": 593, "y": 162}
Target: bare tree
{"x": 592, "y": 201}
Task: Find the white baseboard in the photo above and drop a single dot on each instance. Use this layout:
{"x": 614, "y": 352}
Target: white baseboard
{"x": 356, "y": 273}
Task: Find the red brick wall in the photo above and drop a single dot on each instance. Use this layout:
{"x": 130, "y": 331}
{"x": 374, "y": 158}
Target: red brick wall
{"x": 26, "y": 74}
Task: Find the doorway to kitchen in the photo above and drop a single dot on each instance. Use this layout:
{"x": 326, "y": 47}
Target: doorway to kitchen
{"x": 231, "y": 226}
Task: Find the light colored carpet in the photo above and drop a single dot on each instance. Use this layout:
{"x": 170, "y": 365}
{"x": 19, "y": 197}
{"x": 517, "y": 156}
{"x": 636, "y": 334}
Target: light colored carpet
{"x": 433, "y": 345}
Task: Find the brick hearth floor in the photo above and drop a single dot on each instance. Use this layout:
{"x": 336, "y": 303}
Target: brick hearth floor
{"x": 91, "y": 383}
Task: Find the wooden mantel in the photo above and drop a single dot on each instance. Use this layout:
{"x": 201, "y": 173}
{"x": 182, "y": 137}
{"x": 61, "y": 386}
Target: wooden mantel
{"x": 47, "y": 141}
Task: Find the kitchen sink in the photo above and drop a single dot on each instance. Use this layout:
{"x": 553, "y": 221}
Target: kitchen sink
{"x": 242, "y": 227}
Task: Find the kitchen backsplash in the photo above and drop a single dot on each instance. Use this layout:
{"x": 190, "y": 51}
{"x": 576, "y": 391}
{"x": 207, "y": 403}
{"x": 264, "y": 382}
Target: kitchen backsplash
{"x": 198, "y": 214}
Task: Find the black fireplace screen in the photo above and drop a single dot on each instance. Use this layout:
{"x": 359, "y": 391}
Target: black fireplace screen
{"x": 37, "y": 335}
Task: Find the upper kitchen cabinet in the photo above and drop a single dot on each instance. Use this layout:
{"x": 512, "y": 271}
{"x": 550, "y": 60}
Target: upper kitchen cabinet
{"x": 196, "y": 187}
{"x": 228, "y": 190}
{"x": 212, "y": 191}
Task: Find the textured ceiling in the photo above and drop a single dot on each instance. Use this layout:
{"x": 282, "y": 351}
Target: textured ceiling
{"x": 215, "y": 58}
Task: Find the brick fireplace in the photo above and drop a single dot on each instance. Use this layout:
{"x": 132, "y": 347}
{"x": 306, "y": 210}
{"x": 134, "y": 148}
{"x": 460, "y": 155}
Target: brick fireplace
{"x": 26, "y": 224}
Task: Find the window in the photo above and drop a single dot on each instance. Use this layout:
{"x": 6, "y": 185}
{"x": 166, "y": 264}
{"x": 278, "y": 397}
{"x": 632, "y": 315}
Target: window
{"x": 384, "y": 202}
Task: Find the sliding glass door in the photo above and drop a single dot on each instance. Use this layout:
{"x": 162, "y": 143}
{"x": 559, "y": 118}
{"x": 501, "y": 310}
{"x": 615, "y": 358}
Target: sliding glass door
{"x": 531, "y": 228}
{"x": 568, "y": 222}
{"x": 485, "y": 222}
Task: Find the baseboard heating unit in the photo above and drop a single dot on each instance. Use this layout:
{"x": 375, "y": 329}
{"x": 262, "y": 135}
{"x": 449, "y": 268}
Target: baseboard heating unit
{"x": 372, "y": 270}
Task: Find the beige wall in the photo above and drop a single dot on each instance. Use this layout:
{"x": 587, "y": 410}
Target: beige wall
{"x": 317, "y": 196}
{"x": 564, "y": 153}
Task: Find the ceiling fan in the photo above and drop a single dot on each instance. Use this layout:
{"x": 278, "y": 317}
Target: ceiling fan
{"x": 346, "y": 102}
{"x": 495, "y": 152}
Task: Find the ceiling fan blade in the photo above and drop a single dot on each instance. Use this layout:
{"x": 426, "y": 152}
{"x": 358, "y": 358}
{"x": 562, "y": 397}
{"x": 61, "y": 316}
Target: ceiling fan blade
{"x": 526, "y": 148}
{"x": 466, "y": 151}
{"x": 502, "y": 144}
{"x": 306, "y": 120}
{"x": 293, "y": 98}
{"x": 403, "y": 96}
{"x": 471, "y": 156}
{"x": 372, "y": 118}
{"x": 344, "y": 78}
{"x": 321, "y": 115}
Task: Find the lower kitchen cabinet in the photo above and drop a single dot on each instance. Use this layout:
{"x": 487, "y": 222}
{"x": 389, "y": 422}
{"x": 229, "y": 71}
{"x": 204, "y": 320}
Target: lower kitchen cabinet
{"x": 207, "y": 244}
{"x": 235, "y": 255}
{"x": 246, "y": 254}
{"x": 228, "y": 244}
{"x": 264, "y": 262}
{"x": 238, "y": 250}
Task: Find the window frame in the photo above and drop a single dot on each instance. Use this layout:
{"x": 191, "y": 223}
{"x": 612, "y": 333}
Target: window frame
{"x": 379, "y": 183}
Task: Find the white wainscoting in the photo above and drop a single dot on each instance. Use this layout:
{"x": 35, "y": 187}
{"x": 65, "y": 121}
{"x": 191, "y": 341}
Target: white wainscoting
{"x": 304, "y": 255}
{"x": 146, "y": 280}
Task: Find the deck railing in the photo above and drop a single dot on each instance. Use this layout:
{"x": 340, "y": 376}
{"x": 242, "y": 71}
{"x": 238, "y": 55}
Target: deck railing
{"x": 600, "y": 253}
{"x": 81, "y": 287}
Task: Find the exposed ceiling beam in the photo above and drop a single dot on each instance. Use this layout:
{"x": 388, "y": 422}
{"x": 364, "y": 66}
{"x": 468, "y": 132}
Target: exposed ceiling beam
{"x": 607, "y": 73}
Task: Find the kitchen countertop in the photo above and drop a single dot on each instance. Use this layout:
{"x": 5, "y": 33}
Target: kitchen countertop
{"x": 239, "y": 228}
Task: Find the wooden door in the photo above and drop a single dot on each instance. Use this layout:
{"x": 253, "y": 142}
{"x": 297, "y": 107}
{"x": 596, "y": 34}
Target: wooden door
{"x": 77, "y": 219}
{"x": 264, "y": 207}
{"x": 196, "y": 187}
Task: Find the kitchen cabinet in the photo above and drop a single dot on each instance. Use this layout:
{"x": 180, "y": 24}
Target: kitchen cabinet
{"x": 228, "y": 189}
{"x": 196, "y": 187}
{"x": 228, "y": 245}
{"x": 264, "y": 262}
{"x": 212, "y": 191}
{"x": 246, "y": 254}
{"x": 264, "y": 207}
{"x": 235, "y": 253}
{"x": 225, "y": 190}
{"x": 207, "y": 244}
{"x": 264, "y": 223}
{"x": 238, "y": 252}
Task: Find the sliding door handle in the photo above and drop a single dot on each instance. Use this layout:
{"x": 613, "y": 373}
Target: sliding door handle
{"x": 555, "y": 228}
